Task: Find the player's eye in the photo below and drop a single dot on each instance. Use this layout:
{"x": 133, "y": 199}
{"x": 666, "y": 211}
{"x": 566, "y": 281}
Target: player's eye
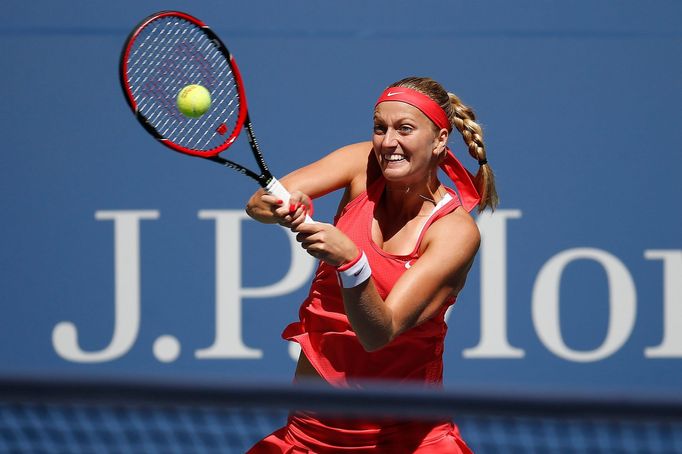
{"x": 379, "y": 129}
{"x": 406, "y": 129}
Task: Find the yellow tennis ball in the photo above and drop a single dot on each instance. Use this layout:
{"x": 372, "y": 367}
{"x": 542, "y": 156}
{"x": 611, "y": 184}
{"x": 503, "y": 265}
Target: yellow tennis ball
{"x": 194, "y": 101}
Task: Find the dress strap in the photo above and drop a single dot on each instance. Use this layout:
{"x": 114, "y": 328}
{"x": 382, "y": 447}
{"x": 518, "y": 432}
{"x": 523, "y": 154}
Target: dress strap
{"x": 446, "y": 205}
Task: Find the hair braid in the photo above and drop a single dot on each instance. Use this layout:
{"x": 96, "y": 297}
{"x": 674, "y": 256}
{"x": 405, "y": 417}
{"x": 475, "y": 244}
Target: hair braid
{"x": 464, "y": 119}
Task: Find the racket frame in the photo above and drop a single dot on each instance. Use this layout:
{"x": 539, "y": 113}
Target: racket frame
{"x": 242, "y": 117}
{"x": 265, "y": 178}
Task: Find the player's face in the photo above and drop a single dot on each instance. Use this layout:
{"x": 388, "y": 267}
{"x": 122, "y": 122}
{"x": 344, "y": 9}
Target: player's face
{"x": 405, "y": 141}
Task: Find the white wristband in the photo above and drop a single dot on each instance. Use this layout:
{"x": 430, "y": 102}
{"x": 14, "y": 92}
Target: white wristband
{"x": 354, "y": 273}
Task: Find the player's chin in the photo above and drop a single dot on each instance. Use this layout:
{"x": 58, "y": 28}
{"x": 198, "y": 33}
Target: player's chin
{"x": 396, "y": 170}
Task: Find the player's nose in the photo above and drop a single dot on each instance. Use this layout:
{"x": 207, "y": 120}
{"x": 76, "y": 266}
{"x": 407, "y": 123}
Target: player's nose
{"x": 390, "y": 139}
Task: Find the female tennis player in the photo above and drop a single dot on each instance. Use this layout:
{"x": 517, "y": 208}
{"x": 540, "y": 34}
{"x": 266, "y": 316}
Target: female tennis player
{"x": 395, "y": 259}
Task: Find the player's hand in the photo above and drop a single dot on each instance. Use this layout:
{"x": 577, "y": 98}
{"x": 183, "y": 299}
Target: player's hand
{"x": 292, "y": 215}
{"x": 327, "y": 243}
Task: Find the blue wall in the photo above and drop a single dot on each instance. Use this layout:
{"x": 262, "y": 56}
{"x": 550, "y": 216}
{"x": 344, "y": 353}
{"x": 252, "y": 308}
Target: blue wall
{"x": 580, "y": 105}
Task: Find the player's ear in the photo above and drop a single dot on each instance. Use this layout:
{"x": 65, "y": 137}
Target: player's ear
{"x": 440, "y": 142}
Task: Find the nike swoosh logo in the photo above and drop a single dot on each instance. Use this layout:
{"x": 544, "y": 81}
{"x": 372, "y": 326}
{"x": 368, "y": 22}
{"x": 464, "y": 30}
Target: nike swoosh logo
{"x": 393, "y": 93}
{"x": 408, "y": 265}
{"x": 357, "y": 273}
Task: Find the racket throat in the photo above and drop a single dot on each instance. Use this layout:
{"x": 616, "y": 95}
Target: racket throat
{"x": 263, "y": 179}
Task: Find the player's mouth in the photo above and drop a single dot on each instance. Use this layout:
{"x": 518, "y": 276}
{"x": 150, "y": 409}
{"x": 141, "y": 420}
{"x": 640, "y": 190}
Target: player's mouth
{"x": 393, "y": 157}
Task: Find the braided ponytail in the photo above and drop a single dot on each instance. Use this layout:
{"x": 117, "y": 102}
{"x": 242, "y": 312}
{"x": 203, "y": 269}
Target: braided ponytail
{"x": 463, "y": 118}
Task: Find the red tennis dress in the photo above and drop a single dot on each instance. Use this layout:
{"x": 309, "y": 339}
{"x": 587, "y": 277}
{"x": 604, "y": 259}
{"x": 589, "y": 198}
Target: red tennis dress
{"x": 328, "y": 341}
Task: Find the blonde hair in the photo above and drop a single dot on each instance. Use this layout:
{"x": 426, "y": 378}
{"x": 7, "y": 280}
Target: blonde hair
{"x": 463, "y": 118}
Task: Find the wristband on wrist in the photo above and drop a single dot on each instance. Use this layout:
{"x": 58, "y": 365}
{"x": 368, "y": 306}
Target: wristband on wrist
{"x": 354, "y": 273}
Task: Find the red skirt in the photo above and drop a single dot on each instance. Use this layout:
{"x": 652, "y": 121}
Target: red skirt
{"x": 305, "y": 434}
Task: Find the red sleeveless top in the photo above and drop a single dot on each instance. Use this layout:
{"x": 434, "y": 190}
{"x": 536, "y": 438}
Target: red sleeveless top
{"x": 325, "y": 334}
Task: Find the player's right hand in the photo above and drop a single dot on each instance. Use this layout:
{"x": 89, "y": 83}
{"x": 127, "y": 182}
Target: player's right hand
{"x": 294, "y": 213}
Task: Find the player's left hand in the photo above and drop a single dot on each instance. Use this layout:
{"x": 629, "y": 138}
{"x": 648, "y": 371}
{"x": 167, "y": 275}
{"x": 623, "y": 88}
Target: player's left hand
{"x": 327, "y": 243}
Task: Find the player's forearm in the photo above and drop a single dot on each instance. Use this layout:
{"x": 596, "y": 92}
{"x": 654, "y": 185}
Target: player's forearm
{"x": 370, "y": 318}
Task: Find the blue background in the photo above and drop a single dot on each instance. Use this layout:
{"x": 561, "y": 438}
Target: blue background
{"x": 580, "y": 106}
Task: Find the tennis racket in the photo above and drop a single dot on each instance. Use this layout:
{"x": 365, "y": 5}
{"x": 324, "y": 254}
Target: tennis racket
{"x": 170, "y": 50}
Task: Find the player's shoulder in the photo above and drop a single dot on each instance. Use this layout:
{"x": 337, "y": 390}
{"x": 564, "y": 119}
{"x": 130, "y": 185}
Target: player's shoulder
{"x": 358, "y": 149}
{"x": 456, "y": 229}
{"x": 359, "y": 162}
{"x": 352, "y": 159}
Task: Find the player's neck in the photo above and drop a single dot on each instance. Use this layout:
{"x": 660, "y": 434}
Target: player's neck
{"x": 409, "y": 201}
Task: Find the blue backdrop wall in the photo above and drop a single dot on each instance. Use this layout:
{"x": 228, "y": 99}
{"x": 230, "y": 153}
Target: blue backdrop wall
{"x": 123, "y": 259}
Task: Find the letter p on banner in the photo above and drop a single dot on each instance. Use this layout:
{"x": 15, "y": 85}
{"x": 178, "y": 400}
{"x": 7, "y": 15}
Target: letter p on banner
{"x": 228, "y": 341}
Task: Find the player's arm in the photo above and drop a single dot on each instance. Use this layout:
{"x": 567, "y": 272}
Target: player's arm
{"x": 449, "y": 247}
{"x": 341, "y": 168}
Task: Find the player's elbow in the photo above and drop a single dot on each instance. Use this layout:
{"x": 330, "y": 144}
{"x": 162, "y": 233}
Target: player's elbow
{"x": 375, "y": 342}
{"x": 257, "y": 210}
{"x": 251, "y": 210}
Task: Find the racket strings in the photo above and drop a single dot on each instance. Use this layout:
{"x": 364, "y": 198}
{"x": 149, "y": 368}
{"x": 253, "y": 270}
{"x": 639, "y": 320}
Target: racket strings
{"x": 169, "y": 54}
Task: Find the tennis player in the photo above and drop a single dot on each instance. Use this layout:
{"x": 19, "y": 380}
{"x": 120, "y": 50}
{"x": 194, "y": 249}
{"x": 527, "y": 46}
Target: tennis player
{"x": 395, "y": 259}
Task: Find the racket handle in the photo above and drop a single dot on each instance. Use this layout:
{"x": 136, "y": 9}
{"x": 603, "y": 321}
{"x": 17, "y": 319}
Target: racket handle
{"x": 276, "y": 188}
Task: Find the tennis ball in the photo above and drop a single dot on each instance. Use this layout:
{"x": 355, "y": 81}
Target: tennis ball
{"x": 194, "y": 101}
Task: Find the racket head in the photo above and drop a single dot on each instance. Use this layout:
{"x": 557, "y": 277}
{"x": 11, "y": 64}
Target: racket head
{"x": 164, "y": 53}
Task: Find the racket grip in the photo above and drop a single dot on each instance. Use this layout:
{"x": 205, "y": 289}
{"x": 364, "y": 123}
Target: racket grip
{"x": 276, "y": 188}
